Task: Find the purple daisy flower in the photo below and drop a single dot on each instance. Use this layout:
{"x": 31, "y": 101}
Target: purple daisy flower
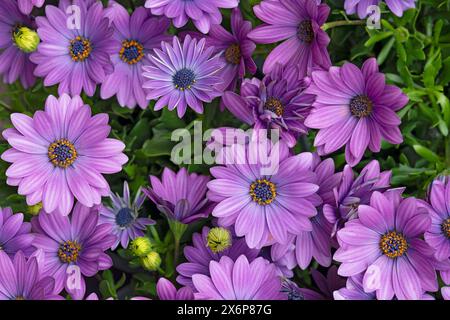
{"x": 15, "y": 60}
{"x": 135, "y": 36}
{"x": 22, "y": 279}
{"x": 326, "y": 286}
{"x": 307, "y": 245}
{"x": 316, "y": 243}
{"x": 239, "y": 280}
{"x": 167, "y": 291}
{"x": 278, "y": 102}
{"x": 14, "y": 233}
{"x": 76, "y": 59}
{"x": 354, "y": 108}
{"x": 201, "y": 253}
{"x": 292, "y": 292}
{"x": 298, "y": 22}
{"x": 26, "y": 6}
{"x": 73, "y": 245}
{"x": 123, "y": 216}
{"x": 443, "y": 267}
{"x": 237, "y": 49}
{"x": 361, "y": 7}
{"x": 182, "y": 75}
{"x": 385, "y": 244}
{"x": 354, "y": 290}
{"x": 438, "y": 236}
{"x": 265, "y": 207}
{"x": 180, "y": 196}
{"x": 351, "y": 192}
{"x": 61, "y": 153}
{"x": 203, "y": 13}
{"x": 282, "y": 256}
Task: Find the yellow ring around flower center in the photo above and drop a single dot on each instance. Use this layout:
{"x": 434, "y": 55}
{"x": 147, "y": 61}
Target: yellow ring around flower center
{"x": 263, "y": 191}
{"x": 62, "y": 153}
{"x": 393, "y": 244}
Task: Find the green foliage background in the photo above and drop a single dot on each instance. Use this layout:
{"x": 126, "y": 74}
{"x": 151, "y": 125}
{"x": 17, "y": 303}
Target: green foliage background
{"x": 412, "y": 51}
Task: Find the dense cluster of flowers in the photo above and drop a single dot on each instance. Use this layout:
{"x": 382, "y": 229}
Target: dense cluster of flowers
{"x": 375, "y": 242}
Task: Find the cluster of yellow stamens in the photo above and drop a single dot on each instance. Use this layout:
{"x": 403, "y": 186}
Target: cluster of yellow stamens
{"x": 218, "y": 239}
{"x": 69, "y": 251}
{"x": 263, "y": 191}
{"x": 62, "y": 153}
{"x": 131, "y": 52}
{"x": 393, "y": 244}
{"x": 80, "y": 49}
{"x": 445, "y": 227}
{"x": 274, "y": 105}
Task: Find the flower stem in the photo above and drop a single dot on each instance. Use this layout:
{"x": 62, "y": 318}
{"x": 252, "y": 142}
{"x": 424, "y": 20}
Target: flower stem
{"x": 447, "y": 152}
{"x": 176, "y": 252}
{"x": 339, "y": 23}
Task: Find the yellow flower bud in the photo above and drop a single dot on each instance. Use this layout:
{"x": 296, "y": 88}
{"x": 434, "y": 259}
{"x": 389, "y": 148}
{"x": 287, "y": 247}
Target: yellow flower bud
{"x": 26, "y": 39}
{"x": 218, "y": 239}
{"x": 141, "y": 246}
{"x": 152, "y": 261}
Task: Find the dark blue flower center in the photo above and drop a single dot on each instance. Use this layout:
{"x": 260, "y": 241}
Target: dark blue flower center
{"x": 393, "y": 244}
{"x": 183, "y": 79}
{"x": 361, "y": 106}
{"x": 62, "y": 153}
{"x": 445, "y": 227}
{"x": 80, "y": 49}
{"x": 131, "y": 52}
{"x": 124, "y": 217}
{"x": 305, "y": 32}
{"x": 69, "y": 251}
{"x": 293, "y": 295}
{"x": 263, "y": 191}
{"x": 291, "y": 291}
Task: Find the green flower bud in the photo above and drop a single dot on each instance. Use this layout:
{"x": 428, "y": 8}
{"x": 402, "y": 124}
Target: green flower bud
{"x": 151, "y": 261}
{"x": 26, "y": 39}
{"x": 34, "y": 210}
{"x": 141, "y": 246}
{"x": 218, "y": 239}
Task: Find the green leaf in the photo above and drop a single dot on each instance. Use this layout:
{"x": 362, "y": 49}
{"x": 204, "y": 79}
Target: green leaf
{"x": 385, "y": 51}
{"x": 377, "y": 37}
{"x": 426, "y": 153}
